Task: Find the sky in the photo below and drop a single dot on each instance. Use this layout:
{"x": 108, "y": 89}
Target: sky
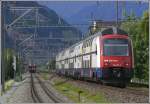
{"x": 66, "y": 8}
{"x": 81, "y": 11}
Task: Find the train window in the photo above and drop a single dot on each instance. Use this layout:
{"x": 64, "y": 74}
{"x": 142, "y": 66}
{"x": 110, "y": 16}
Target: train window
{"x": 107, "y": 31}
{"x": 116, "y": 41}
{"x": 116, "y": 47}
{"x": 83, "y": 64}
{"x": 71, "y": 50}
{"x": 87, "y": 44}
{"x": 90, "y": 42}
{"x": 83, "y": 45}
{"x": 96, "y": 49}
{"x": 86, "y": 64}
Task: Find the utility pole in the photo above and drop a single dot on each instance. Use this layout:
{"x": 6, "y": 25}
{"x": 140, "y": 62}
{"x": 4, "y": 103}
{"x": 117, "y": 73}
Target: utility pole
{"x": 48, "y": 59}
{"x": 0, "y": 49}
{"x": 117, "y": 13}
{"x": 2, "y": 32}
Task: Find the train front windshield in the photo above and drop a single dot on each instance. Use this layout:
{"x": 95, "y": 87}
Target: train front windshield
{"x": 116, "y": 47}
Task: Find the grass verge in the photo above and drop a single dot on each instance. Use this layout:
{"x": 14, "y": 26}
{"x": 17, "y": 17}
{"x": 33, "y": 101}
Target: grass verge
{"x": 72, "y": 92}
{"x": 45, "y": 76}
{"x": 8, "y": 84}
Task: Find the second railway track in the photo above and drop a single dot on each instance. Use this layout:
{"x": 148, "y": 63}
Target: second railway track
{"x": 49, "y": 93}
{"x": 38, "y": 97}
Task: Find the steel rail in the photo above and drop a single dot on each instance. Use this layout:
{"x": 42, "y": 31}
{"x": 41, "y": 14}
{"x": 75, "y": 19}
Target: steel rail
{"x": 49, "y": 93}
{"x": 34, "y": 93}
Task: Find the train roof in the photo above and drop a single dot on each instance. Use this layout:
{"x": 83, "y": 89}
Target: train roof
{"x": 113, "y": 30}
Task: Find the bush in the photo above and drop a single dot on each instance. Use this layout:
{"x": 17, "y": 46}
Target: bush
{"x": 139, "y": 33}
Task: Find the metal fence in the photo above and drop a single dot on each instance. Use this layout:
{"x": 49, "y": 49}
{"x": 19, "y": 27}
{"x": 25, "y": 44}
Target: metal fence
{"x": 139, "y": 81}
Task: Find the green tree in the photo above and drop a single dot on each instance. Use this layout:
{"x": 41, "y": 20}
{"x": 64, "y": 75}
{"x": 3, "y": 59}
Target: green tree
{"x": 52, "y": 64}
{"x": 139, "y": 32}
{"x": 8, "y": 64}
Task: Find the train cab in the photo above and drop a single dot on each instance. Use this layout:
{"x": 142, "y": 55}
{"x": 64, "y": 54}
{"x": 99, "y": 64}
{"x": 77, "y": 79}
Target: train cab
{"x": 116, "y": 56}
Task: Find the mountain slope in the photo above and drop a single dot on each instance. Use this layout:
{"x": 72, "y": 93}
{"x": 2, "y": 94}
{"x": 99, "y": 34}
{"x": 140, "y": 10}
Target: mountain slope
{"x": 48, "y": 17}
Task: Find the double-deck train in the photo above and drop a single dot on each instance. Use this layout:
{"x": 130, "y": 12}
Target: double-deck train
{"x": 106, "y": 56}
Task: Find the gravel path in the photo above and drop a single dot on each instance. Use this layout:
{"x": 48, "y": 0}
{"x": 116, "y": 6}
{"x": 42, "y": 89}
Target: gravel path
{"x": 22, "y": 93}
{"x": 113, "y": 94}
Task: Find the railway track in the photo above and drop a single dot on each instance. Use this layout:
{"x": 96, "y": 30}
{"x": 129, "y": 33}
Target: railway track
{"x": 136, "y": 91}
{"x": 36, "y": 98}
{"x": 49, "y": 93}
{"x": 128, "y": 94}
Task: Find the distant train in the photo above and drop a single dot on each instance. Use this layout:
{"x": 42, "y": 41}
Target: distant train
{"x": 32, "y": 68}
{"x": 106, "y": 56}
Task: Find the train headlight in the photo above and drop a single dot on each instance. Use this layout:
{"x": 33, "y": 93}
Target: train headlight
{"x": 106, "y": 63}
{"x": 126, "y": 64}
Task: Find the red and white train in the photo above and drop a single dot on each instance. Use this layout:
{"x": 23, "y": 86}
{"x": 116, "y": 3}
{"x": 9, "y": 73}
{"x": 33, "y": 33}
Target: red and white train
{"x": 106, "y": 56}
{"x": 32, "y": 68}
